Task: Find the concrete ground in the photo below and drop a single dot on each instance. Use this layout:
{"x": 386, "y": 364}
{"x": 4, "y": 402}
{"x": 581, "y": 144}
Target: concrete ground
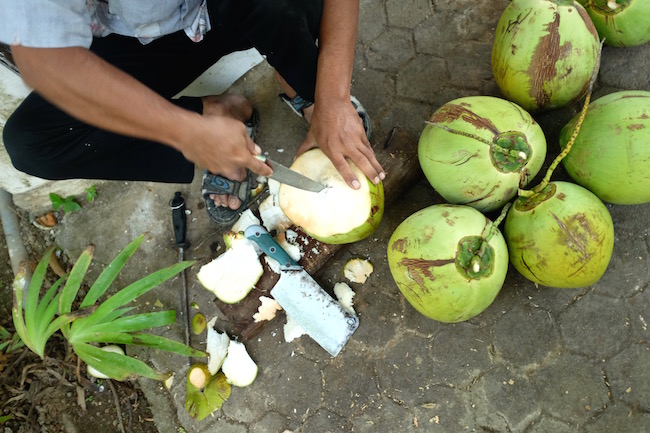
{"x": 537, "y": 360}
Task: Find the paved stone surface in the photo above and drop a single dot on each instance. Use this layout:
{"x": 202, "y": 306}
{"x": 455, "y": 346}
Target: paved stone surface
{"x": 538, "y": 360}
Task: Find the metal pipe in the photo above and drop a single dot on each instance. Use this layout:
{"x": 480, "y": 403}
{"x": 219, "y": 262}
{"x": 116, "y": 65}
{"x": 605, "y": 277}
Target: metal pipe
{"x": 11, "y": 227}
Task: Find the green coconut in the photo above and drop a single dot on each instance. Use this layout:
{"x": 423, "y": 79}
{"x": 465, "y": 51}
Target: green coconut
{"x": 338, "y": 214}
{"x": 561, "y": 237}
{"x": 611, "y": 154}
{"x": 449, "y": 261}
{"x": 623, "y": 23}
{"x": 479, "y": 150}
{"x": 544, "y": 53}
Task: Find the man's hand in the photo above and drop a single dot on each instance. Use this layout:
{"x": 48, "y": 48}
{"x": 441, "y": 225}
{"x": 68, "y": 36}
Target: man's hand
{"x": 221, "y": 143}
{"x": 335, "y": 126}
{"x": 338, "y": 131}
{"x": 92, "y": 90}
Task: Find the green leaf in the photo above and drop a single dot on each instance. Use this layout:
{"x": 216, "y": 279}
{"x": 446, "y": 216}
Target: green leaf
{"x": 111, "y": 271}
{"x": 115, "y": 365}
{"x": 75, "y": 279}
{"x": 148, "y": 340}
{"x": 48, "y": 307}
{"x": 69, "y": 205}
{"x": 136, "y": 322}
{"x": 27, "y": 325}
{"x": 135, "y": 290}
{"x": 57, "y": 201}
{"x": 91, "y": 193}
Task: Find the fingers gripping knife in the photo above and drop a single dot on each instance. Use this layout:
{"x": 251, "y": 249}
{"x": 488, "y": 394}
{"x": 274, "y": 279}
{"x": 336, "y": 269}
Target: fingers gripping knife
{"x": 322, "y": 318}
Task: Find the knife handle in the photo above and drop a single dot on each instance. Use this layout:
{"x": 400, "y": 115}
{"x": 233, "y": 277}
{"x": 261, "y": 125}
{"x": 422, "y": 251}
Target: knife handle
{"x": 177, "y": 204}
{"x": 265, "y": 241}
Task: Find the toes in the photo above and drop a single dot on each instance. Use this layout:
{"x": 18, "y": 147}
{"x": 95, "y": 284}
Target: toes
{"x": 226, "y": 200}
{"x": 234, "y": 202}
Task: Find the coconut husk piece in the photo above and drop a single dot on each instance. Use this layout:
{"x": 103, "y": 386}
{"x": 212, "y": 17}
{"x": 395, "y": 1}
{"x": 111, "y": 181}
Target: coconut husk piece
{"x": 397, "y": 153}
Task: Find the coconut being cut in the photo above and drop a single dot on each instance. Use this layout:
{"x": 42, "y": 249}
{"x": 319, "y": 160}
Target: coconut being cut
{"x": 338, "y": 214}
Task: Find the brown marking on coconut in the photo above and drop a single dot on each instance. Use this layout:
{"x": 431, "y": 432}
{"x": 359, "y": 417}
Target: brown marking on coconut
{"x": 400, "y": 245}
{"x": 420, "y": 269}
{"x": 588, "y": 22}
{"x": 451, "y": 112}
{"x": 636, "y": 127}
{"x": 542, "y": 65}
{"x": 572, "y": 238}
{"x": 561, "y": 196}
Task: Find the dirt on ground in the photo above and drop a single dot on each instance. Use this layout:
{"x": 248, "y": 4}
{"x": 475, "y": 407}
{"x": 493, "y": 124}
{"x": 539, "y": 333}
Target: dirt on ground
{"x": 55, "y": 394}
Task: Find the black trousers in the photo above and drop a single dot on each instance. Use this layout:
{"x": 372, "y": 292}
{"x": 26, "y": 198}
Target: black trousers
{"x": 44, "y": 141}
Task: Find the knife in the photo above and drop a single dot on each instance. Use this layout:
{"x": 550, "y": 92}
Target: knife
{"x": 290, "y": 177}
{"x": 177, "y": 204}
{"x": 304, "y": 300}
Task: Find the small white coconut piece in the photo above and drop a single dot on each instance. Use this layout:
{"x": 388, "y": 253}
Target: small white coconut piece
{"x": 272, "y": 216}
{"x": 274, "y": 187}
{"x": 197, "y": 376}
{"x": 98, "y": 374}
{"x": 345, "y": 296}
{"x": 357, "y": 270}
{"x": 292, "y": 330}
{"x": 267, "y": 309}
{"x": 169, "y": 382}
{"x": 233, "y": 274}
{"x": 239, "y": 368}
{"x": 217, "y": 347}
{"x": 291, "y": 248}
{"x": 236, "y": 233}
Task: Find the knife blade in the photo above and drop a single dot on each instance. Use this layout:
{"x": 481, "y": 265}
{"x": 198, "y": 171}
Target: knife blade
{"x": 304, "y": 300}
{"x": 290, "y": 177}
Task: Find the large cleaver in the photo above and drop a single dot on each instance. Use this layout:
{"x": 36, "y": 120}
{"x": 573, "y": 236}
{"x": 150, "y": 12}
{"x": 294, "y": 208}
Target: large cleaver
{"x": 322, "y": 318}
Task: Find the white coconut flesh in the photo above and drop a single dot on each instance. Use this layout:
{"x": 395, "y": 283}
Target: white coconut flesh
{"x": 334, "y": 210}
{"x": 233, "y": 274}
{"x": 198, "y": 377}
{"x": 217, "y": 348}
{"x": 357, "y": 270}
{"x": 345, "y": 295}
{"x": 239, "y": 368}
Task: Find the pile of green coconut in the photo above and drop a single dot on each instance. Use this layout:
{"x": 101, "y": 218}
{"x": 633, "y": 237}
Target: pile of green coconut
{"x": 480, "y": 153}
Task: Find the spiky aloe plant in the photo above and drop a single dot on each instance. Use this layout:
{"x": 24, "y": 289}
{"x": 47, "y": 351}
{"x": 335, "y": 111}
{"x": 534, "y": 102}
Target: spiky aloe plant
{"x": 36, "y": 320}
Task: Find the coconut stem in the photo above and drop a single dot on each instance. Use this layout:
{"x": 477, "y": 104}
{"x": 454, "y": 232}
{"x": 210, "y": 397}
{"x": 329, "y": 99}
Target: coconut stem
{"x": 497, "y": 222}
{"x": 463, "y": 133}
{"x": 477, "y": 259}
{"x": 513, "y": 153}
{"x": 574, "y": 135}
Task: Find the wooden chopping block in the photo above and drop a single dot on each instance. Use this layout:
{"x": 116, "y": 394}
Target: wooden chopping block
{"x": 398, "y": 156}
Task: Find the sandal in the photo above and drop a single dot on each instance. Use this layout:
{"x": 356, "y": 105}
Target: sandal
{"x": 219, "y": 185}
{"x": 215, "y": 184}
{"x": 298, "y": 105}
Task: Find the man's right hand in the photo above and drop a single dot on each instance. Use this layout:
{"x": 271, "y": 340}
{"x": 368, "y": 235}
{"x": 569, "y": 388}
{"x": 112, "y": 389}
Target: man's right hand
{"x": 99, "y": 94}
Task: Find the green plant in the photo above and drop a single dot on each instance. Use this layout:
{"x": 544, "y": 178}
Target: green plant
{"x": 91, "y": 193}
{"x": 9, "y": 342}
{"x": 85, "y": 328}
{"x": 68, "y": 204}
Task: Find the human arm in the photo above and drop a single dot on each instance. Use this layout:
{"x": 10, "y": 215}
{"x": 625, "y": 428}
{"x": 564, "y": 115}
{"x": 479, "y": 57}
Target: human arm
{"x": 335, "y": 126}
{"x": 97, "y": 93}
